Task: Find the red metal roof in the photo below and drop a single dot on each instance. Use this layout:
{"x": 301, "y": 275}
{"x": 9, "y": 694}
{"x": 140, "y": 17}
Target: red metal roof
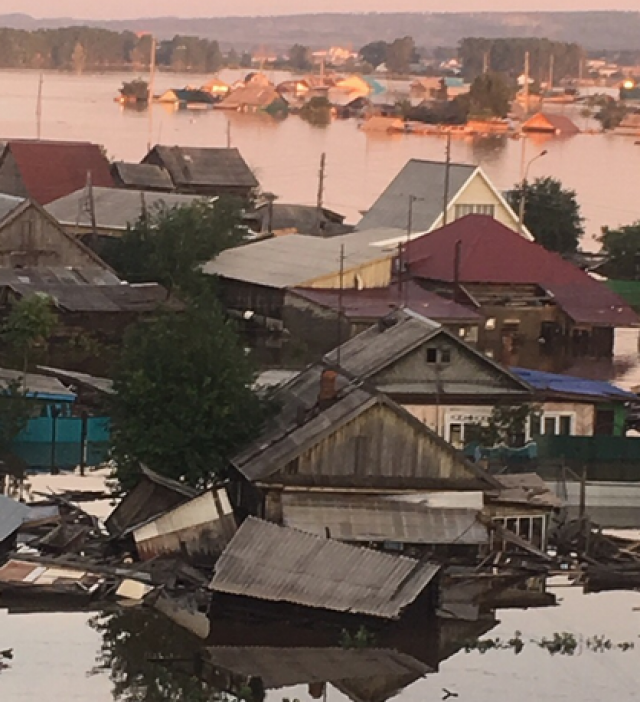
{"x": 53, "y": 169}
{"x": 550, "y": 122}
{"x": 376, "y": 303}
{"x": 493, "y": 253}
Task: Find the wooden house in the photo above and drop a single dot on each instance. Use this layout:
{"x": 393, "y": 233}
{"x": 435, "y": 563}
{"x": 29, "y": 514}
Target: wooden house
{"x": 255, "y": 98}
{"x": 207, "y": 172}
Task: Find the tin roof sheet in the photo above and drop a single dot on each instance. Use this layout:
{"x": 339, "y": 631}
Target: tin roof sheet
{"x": 275, "y": 563}
{"x": 12, "y": 515}
{"x": 364, "y": 518}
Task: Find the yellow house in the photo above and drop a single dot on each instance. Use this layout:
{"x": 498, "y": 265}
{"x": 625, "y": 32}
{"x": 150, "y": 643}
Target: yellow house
{"x": 421, "y": 185}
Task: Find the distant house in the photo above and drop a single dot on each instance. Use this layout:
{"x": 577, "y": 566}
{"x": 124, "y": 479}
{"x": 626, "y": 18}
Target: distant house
{"x": 110, "y": 211}
{"x": 550, "y": 123}
{"x": 383, "y": 125}
{"x": 47, "y": 170}
{"x": 204, "y": 171}
{"x": 280, "y": 218}
{"x": 31, "y": 238}
{"x": 189, "y": 98}
{"x": 255, "y": 98}
{"x": 540, "y": 310}
{"x": 422, "y": 184}
{"x": 216, "y": 87}
{"x": 630, "y": 126}
{"x": 141, "y": 176}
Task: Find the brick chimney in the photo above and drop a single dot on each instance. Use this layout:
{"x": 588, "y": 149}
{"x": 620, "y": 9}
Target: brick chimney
{"x": 328, "y": 388}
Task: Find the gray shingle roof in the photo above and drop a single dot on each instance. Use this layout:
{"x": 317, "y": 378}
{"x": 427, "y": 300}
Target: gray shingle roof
{"x": 425, "y": 181}
{"x": 270, "y": 562}
{"x": 299, "y": 218}
{"x": 8, "y": 203}
{"x": 214, "y": 167}
{"x": 146, "y": 176}
{"x": 114, "y": 208}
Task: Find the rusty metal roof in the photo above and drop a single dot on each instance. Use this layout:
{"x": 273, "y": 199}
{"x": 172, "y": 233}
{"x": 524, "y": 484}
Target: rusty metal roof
{"x": 366, "y": 518}
{"x": 270, "y": 562}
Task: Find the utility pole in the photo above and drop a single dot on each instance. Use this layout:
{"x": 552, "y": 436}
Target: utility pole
{"x": 321, "y": 177}
{"x": 152, "y": 78}
{"x": 526, "y": 82}
{"x": 228, "y": 134}
{"x": 39, "y": 108}
{"x": 340, "y": 304}
{"x": 403, "y": 260}
{"x": 92, "y": 205}
{"x": 551, "y": 67}
{"x": 485, "y": 62}
{"x": 447, "y": 176}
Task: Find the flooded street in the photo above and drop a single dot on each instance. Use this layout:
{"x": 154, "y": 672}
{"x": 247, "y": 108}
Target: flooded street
{"x": 117, "y": 657}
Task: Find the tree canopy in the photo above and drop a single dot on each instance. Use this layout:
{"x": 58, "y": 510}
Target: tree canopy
{"x": 184, "y": 399}
{"x": 622, "y": 248}
{"x": 489, "y": 96}
{"x": 397, "y": 55}
{"x": 551, "y": 213}
{"x": 300, "y": 57}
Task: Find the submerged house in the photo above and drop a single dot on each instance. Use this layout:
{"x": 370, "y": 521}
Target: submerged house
{"x": 255, "y": 98}
{"x": 420, "y": 187}
{"x": 550, "y": 123}
{"x": 188, "y": 98}
{"x": 203, "y": 171}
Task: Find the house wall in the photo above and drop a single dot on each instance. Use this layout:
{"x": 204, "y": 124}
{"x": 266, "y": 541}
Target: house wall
{"x": 376, "y": 274}
{"x": 11, "y": 182}
{"x": 379, "y": 448}
{"x": 477, "y": 192}
{"x": 584, "y": 415}
{"x": 314, "y": 325}
{"x": 32, "y": 239}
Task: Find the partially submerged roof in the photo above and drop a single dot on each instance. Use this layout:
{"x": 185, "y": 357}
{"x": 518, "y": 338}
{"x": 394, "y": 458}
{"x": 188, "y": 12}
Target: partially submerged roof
{"x": 366, "y": 518}
{"x": 37, "y": 386}
{"x": 375, "y": 303}
{"x": 274, "y": 563}
{"x": 114, "y": 208}
{"x": 556, "y": 383}
{"x": 145, "y": 176}
{"x": 200, "y": 166}
{"x": 492, "y": 253}
{"x": 252, "y": 95}
{"x": 551, "y": 122}
{"x": 52, "y": 169}
{"x": 424, "y": 181}
{"x": 12, "y": 515}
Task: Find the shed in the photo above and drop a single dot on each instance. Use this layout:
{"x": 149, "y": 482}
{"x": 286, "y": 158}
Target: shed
{"x": 550, "y": 123}
{"x": 153, "y": 495}
{"x": 269, "y": 562}
{"x": 141, "y": 176}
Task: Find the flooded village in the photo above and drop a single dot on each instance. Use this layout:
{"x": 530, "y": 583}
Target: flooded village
{"x": 259, "y": 447}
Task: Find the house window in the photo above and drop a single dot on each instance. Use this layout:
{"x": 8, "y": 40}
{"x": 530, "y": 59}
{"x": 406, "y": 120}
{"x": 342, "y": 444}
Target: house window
{"x": 490, "y": 324}
{"x": 435, "y": 355}
{"x": 531, "y": 528}
{"x": 553, "y": 424}
{"x": 464, "y": 210}
{"x": 445, "y": 356}
{"x": 432, "y": 355}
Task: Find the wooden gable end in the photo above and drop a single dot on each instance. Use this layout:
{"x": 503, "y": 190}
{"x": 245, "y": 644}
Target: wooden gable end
{"x": 454, "y": 363}
{"x": 382, "y": 447}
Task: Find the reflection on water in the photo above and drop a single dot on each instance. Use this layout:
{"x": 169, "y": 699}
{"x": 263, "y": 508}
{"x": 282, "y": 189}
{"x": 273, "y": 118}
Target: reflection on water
{"x": 136, "y": 655}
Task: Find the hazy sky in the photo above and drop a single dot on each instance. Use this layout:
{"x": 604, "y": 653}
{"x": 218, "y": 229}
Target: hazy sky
{"x": 121, "y": 9}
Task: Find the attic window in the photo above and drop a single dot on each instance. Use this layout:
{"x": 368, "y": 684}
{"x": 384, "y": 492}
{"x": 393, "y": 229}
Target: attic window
{"x": 435, "y": 355}
{"x": 464, "y": 210}
{"x": 432, "y": 355}
{"x": 445, "y": 356}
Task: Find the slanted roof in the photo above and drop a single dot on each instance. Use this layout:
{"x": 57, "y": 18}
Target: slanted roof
{"x": 298, "y": 218}
{"x": 39, "y": 278}
{"x": 12, "y": 515}
{"x": 194, "y": 96}
{"x": 366, "y": 518}
{"x": 490, "y": 252}
{"x": 8, "y": 203}
{"x": 200, "y": 166}
{"x": 115, "y": 208}
{"x": 296, "y": 260}
{"x": 52, "y": 169}
{"x": 104, "y": 385}
{"x": 253, "y": 95}
{"x": 274, "y": 563}
{"x": 550, "y": 122}
{"x": 375, "y": 303}
{"x": 38, "y": 386}
{"x": 424, "y": 181}
{"x": 146, "y": 176}
{"x": 526, "y": 489}
{"x": 556, "y": 383}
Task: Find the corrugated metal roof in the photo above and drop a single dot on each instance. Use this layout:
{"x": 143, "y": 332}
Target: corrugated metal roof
{"x": 142, "y": 175}
{"x": 364, "y": 518}
{"x": 37, "y": 385}
{"x": 424, "y": 181}
{"x": 296, "y": 260}
{"x": 115, "y": 208}
{"x": 571, "y": 385}
{"x": 39, "y": 278}
{"x": 52, "y": 169}
{"x": 270, "y": 562}
{"x": 297, "y": 218}
{"x": 12, "y": 515}
{"x": 490, "y": 252}
{"x": 285, "y": 666}
{"x": 213, "y": 167}
{"x": 101, "y": 384}
{"x": 527, "y": 488}
{"x": 550, "y": 122}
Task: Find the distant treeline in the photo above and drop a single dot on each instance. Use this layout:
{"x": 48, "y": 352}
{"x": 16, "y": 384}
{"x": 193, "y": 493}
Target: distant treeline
{"x": 508, "y": 56}
{"x": 77, "y": 48}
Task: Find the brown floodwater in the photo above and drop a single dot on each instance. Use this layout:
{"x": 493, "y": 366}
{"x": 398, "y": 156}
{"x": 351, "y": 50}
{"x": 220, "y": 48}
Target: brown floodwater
{"x": 62, "y": 656}
{"x": 285, "y": 154}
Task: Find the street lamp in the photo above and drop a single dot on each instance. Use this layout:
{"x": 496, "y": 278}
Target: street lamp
{"x": 523, "y": 197}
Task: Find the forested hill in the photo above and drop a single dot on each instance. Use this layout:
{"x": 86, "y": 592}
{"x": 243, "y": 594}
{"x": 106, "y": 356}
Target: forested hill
{"x": 593, "y": 30}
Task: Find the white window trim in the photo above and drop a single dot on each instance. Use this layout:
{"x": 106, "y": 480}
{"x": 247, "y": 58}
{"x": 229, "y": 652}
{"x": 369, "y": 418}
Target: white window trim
{"x": 554, "y": 415}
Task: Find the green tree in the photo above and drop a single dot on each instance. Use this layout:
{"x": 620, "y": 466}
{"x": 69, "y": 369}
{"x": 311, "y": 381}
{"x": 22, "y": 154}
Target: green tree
{"x": 622, "y": 249}
{"x": 551, "y": 213}
{"x": 317, "y": 111}
{"x": 300, "y": 57}
{"x": 30, "y": 323}
{"x": 167, "y": 245}
{"x": 507, "y": 425}
{"x": 489, "y": 96}
{"x": 184, "y": 401}
{"x": 401, "y": 53}
{"x": 15, "y": 410}
{"x": 374, "y": 53}
{"x": 611, "y": 114}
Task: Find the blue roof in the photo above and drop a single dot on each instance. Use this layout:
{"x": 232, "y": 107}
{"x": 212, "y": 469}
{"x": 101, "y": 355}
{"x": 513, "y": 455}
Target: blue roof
{"x": 376, "y": 88}
{"x": 569, "y": 384}
{"x": 454, "y": 82}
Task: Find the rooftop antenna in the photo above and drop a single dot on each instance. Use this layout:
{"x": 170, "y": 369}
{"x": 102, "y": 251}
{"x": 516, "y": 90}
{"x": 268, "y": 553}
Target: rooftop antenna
{"x": 152, "y": 77}
{"x": 39, "y": 108}
{"x": 228, "y": 134}
{"x": 447, "y": 174}
{"x": 526, "y": 82}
